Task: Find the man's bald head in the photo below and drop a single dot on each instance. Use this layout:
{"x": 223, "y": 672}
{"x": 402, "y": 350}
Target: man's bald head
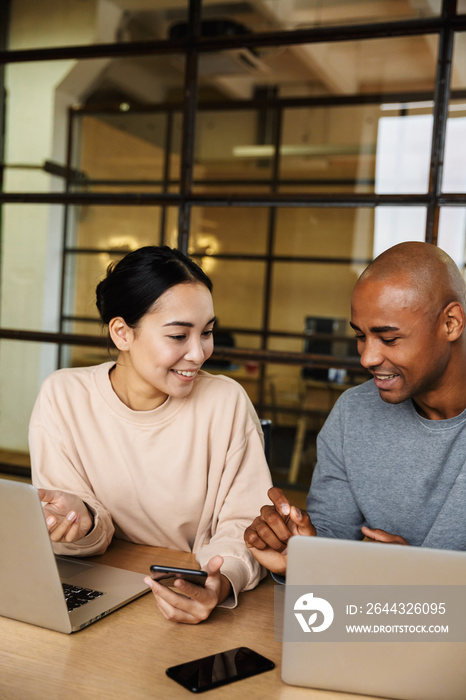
{"x": 407, "y": 311}
{"x": 428, "y": 271}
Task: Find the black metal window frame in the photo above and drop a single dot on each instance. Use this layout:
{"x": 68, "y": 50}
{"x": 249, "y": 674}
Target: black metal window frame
{"x": 444, "y": 26}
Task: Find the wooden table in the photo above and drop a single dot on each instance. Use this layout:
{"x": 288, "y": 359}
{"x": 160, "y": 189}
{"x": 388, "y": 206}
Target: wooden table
{"x": 124, "y": 656}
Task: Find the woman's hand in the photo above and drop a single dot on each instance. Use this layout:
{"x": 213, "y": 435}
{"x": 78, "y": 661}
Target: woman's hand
{"x": 68, "y": 519}
{"x": 195, "y": 603}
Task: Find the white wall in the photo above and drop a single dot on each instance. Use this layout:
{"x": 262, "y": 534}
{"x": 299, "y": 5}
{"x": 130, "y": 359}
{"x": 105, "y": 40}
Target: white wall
{"x": 31, "y": 234}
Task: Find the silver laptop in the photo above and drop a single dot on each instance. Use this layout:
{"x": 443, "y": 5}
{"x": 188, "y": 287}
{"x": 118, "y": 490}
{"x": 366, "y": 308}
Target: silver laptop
{"x": 33, "y": 581}
{"x": 372, "y": 618}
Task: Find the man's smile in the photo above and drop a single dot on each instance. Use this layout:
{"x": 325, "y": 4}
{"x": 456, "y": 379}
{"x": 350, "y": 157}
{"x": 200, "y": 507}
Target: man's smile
{"x": 385, "y": 380}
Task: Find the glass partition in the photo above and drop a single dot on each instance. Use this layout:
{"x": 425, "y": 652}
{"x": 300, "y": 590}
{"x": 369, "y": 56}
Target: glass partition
{"x": 458, "y": 77}
{"x": 238, "y": 291}
{"x": 30, "y": 266}
{"x": 454, "y": 176}
{"x": 325, "y": 233}
{"x": 113, "y": 148}
{"x": 452, "y": 234}
{"x": 270, "y": 129}
{"x": 55, "y": 23}
{"x": 98, "y": 236}
{"x": 296, "y": 14}
{"x": 227, "y": 230}
{"x": 454, "y": 179}
{"x": 221, "y": 138}
{"x": 404, "y": 63}
{"x": 123, "y": 152}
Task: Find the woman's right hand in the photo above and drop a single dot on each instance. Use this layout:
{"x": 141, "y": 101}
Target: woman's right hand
{"x": 66, "y": 515}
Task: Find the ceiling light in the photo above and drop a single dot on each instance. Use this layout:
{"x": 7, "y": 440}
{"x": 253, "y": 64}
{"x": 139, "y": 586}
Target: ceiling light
{"x": 268, "y": 151}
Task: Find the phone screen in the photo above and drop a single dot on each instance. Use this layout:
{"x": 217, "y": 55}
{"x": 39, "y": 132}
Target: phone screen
{"x": 219, "y": 669}
{"x": 168, "y": 574}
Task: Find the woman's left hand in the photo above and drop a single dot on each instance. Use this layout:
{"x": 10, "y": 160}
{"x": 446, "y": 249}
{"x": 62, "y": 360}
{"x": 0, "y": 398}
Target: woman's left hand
{"x": 196, "y": 602}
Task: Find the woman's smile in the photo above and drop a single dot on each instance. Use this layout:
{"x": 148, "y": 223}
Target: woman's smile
{"x": 185, "y": 373}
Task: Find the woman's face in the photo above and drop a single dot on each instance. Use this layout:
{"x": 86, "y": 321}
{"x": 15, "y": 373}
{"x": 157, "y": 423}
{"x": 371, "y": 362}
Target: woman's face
{"x": 163, "y": 354}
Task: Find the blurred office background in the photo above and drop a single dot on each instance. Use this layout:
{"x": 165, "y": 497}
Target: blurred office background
{"x": 281, "y": 143}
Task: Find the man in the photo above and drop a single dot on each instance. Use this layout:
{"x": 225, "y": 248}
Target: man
{"x": 392, "y": 454}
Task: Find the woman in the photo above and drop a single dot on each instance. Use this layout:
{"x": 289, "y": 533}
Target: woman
{"x": 149, "y": 447}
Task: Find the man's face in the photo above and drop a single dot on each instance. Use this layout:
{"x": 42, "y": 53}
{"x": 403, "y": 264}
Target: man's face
{"x": 399, "y": 341}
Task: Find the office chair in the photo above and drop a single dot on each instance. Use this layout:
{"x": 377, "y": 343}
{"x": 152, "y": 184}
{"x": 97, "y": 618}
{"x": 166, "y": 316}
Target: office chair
{"x": 267, "y": 430}
{"x": 318, "y": 384}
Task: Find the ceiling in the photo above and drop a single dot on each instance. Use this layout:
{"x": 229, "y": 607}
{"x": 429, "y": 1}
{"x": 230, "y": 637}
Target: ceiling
{"x": 341, "y": 68}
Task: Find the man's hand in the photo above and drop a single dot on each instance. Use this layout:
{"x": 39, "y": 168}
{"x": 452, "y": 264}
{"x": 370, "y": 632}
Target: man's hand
{"x": 195, "y": 603}
{"x": 267, "y": 536}
{"x": 67, "y": 517}
{"x": 382, "y": 536}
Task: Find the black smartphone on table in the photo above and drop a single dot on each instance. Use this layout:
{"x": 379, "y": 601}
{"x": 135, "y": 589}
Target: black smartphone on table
{"x": 219, "y": 669}
{"x": 168, "y": 574}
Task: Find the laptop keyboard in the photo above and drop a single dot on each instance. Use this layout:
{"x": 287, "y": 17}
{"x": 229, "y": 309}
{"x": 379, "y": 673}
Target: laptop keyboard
{"x": 76, "y": 596}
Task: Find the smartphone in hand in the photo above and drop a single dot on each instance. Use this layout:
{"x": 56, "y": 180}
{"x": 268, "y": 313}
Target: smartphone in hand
{"x": 168, "y": 574}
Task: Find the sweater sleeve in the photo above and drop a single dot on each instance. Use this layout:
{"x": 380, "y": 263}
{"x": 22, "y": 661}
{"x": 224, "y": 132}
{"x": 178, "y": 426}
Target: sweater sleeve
{"x": 330, "y": 503}
{"x": 241, "y": 494}
{"x": 54, "y": 466}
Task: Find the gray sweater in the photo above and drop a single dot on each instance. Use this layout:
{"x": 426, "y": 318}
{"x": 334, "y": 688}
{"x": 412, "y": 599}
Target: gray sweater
{"x": 384, "y": 466}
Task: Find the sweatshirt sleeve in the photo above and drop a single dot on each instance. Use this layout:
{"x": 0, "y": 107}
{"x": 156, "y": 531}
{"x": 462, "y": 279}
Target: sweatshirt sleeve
{"x": 55, "y": 466}
{"x": 242, "y": 492}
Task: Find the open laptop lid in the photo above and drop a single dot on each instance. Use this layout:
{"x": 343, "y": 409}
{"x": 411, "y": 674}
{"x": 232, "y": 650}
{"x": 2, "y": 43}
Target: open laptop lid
{"x": 343, "y": 573}
{"x": 30, "y": 584}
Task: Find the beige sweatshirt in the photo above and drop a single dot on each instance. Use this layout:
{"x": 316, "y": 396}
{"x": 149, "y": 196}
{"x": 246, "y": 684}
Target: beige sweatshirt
{"x": 189, "y": 475}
